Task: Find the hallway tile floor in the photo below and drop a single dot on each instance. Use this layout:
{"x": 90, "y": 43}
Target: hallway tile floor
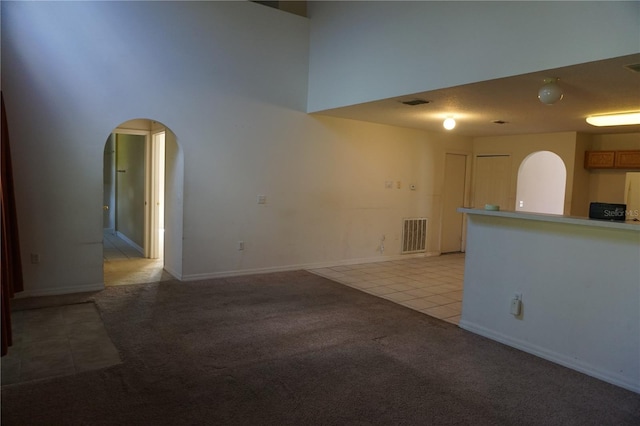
{"x": 124, "y": 265}
{"x": 431, "y": 285}
{"x": 115, "y": 248}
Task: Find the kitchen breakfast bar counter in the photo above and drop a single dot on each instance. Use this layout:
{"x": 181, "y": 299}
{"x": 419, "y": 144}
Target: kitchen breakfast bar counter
{"x": 578, "y": 280}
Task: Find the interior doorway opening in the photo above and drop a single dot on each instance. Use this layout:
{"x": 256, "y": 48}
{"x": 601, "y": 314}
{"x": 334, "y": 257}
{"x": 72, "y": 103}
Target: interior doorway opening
{"x": 541, "y": 183}
{"x": 142, "y": 194}
{"x": 456, "y": 176}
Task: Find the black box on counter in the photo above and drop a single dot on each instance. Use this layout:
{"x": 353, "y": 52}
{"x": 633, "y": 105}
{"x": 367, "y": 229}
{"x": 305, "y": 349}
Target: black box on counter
{"x": 607, "y": 211}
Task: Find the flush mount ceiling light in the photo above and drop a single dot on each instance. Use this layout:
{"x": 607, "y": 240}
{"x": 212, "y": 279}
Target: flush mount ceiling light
{"x": 550, "y": 92}
{"x": 449, "y": 123}
{"x": 622, "y": 119}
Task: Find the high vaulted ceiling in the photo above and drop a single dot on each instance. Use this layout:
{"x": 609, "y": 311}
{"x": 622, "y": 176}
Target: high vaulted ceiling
{"x": 600, "y": 87}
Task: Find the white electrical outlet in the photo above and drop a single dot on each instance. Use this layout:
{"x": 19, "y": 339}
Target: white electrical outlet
{"x": 262, "y": 199}
{"x": 516, "y": 304}
{"x": 35, "y": 258}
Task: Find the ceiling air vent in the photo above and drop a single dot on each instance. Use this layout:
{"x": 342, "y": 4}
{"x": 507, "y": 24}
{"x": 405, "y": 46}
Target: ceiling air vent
{"x": 414, "y": 102}
{"x": 633, "y": 67}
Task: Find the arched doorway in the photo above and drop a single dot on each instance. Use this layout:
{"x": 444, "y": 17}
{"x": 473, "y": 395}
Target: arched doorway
{"x": 143, "y": 178}
{"x": 541, "y": 185}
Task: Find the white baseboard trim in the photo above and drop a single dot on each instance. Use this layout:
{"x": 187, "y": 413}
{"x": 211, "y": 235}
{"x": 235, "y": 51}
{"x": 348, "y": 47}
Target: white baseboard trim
{"x": 173, "y": 273}
{"x": 318, "y": 265}
{"x": 60, "y": 290}
{"x": 128, "y": 241}
{"x": 555, "y": 357}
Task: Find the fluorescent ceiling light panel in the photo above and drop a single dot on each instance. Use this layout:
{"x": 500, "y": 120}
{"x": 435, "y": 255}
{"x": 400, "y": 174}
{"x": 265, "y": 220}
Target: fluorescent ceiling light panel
{"x": 624, "y": 119}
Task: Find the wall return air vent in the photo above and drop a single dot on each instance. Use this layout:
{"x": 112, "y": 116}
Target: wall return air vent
{"x": 414, "y": 235}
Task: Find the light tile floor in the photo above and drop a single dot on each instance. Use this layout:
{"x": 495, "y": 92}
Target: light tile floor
{"x": 115, "y": 248}
{"x": 124, "y": 265}
{"x": 431, "y": 285}
{"x": 57, "y": 341}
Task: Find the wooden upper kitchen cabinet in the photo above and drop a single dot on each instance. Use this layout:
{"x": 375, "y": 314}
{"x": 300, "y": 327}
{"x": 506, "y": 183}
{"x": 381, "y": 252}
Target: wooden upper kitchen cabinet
{"x": 599, "y": 159}
{"x": 627, "y": 160}
{"x": 612, "y": 159}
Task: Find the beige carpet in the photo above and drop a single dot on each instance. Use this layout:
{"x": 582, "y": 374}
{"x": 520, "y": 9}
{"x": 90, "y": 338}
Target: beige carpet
{"x": 298, "y": 349}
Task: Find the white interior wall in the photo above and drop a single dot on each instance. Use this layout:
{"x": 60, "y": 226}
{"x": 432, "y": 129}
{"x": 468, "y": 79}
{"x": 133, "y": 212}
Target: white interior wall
{"x": 66, "y": 87}
{"x": 324, "y": 182}
{"x": 231, "y": 83}
{"x": 174, "y": 205}
{"x": 520, "y": 146}
{"x": 579, "y": 290}
{"x": 364, "y": 51}
{"x": 130, "y": 188}
{"x": 541, "y": 183}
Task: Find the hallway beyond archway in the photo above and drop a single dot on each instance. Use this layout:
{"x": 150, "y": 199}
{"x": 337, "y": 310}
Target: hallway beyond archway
{"x": 143, "y": 175}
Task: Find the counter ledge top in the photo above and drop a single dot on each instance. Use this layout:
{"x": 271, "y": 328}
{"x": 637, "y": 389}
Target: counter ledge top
{"x": 543, "y": 217}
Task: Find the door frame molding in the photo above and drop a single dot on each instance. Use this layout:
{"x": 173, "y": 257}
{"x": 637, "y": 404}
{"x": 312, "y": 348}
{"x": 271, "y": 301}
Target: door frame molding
{"x": 154, "y": 185}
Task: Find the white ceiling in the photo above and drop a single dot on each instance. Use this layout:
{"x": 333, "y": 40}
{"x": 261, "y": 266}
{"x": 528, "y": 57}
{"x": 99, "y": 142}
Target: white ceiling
{"x": 592, "y": 88}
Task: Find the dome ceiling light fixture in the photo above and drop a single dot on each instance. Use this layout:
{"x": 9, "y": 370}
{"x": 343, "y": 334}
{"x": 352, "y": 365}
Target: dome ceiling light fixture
{"x": 449, "y": 123}
{"x": 550, "y": 92}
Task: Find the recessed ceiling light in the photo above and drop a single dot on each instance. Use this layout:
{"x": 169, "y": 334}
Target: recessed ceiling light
{"x": 449, "y": 123}
{"x": 622, "y": 119}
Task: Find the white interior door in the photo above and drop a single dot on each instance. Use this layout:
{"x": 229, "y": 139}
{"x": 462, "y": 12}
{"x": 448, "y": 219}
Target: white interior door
{"x": 492, "y": 181}
{"x": 155, "y": 224}
{"x": 455, "y": 171}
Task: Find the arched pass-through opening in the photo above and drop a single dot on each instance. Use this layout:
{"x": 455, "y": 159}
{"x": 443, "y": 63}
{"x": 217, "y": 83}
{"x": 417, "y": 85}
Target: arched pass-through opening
{"x": 542, "y": 179}
{"x": 143, "y": 175}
